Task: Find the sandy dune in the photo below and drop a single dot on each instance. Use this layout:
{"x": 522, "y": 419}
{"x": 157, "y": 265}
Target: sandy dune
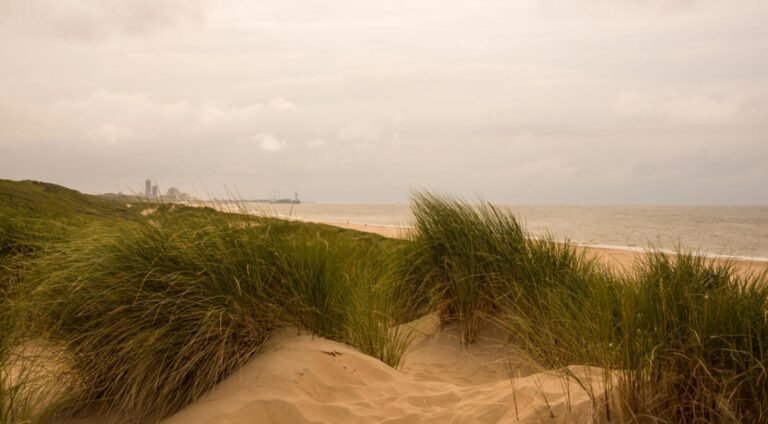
{"x": 304, "y": 379}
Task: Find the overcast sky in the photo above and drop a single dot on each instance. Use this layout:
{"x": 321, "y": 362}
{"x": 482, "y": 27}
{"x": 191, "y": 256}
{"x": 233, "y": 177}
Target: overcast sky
{"x": 522, "y": 101}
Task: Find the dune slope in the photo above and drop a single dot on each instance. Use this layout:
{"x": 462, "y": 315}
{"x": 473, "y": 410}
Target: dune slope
{"x": 300, "y": 378}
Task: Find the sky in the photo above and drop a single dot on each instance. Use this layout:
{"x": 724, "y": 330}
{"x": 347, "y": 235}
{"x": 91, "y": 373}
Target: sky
{"x": 517, "y": 101}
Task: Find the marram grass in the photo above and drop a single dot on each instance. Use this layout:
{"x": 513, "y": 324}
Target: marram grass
{"x": 148, "y": 313}
{"x": 155, "y": 313}
{"x": 695, "y": 341}
{"x": 688, "y": 336}
{"x": 152, "y": 314}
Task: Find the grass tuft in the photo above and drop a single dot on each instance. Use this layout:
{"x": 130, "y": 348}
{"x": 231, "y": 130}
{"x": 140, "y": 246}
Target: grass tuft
{"x": 686, "y": 335}
{"x": 156, "y": 312}
{"x": 141, "y": 315}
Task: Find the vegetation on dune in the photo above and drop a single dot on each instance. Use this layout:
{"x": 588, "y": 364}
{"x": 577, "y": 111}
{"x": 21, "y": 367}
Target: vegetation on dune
{"x": 34, "y": 214}
{"x": 152, "y": 315}
{"x": 468, "y": 259}
{"x": 36, "y": 199}
{"x": 34, "y": 217}
{"x": 695, "y": 341}
{"x": 153, "y": 311}
{"x": 16, "y": 399}
{"x": 689, "y": 335}
{"x": 147, "y": 313}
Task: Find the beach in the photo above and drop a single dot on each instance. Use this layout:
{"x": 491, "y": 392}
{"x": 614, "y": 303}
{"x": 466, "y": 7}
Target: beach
{"x": 740, "y": 232}
{"x": 618, "y": 258}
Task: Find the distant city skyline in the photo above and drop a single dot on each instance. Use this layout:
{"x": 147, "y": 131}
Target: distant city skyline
{"x": 520, "y": 101}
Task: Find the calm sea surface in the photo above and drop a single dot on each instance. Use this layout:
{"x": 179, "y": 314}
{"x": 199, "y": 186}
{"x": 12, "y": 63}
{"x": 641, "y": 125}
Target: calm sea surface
{"x": 722, "y": 230}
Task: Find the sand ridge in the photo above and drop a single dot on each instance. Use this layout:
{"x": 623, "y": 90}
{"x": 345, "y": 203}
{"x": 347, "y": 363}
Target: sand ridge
{"x": 306, "y": 379}
{"x": 301, "y": 378}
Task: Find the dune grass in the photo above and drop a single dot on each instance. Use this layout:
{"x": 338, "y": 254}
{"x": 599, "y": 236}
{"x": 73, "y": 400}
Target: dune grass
{"x": 7, "y": 331}
{"x": 147, "y": 313}
{"x": 18, "y": 393}
{"x": 11, "y": 408}
{"x": 456, "y": 257}
{"x": 687, "y": 335}
{"x": 695, "y": 341}
{"x": 155, "y": 312}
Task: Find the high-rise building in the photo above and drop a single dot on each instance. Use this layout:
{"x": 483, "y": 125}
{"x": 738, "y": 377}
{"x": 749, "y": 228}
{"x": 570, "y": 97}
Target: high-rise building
{"x": 155, "y": 191}
{"x": 148, "y": 188}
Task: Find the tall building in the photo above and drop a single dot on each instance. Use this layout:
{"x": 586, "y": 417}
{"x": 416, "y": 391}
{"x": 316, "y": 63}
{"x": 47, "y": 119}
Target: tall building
{"x": 155, "y": 191}
{"x": 148, "y": 188}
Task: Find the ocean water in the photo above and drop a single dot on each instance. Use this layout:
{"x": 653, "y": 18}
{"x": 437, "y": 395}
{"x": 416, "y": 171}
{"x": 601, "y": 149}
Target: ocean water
{"x": 740, "y": 231}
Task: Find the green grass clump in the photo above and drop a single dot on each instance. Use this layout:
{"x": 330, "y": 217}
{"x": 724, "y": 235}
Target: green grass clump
{"x": 10, "y": 389}
{"x": 567, "y": 312}
{"x": 7, "y": 331}
{"x": 688, "y": 335}
{"x": 374, "y": 308}
{"x": 145, "y": 314}
{"x": 471, "y": 261}
{"x": 156, "y": 312}
{"x": 341, "y": 288}
{"x": 457, "y": 255}
{"x": 34, "y": 199}
{"x": 152, "y": 314}
{"x": 148, "y": 313}
{"x": 694, "y": 336}
{"x": 19, "y": 393}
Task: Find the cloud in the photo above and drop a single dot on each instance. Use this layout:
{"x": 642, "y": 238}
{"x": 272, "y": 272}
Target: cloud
{"x": 110, "y": 134}
{"x": 644, "y": 169}
{"x": 88, "y": 19}
{"x": 109, "y": 117}
{"x": 697, "y": 108}
{"x": 185, "y": 89}
{"x": 217, "y": 114}
{"x": 280, "y": 104}
{"x": 360, "y": 130}
{"x": 267, "y": 142}
{"x": 316, "y": 143}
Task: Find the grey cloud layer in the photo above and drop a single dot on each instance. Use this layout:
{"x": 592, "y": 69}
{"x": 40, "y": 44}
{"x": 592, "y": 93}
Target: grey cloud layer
{"x": 524, "y": 101}
{"x": 96, "y": 19}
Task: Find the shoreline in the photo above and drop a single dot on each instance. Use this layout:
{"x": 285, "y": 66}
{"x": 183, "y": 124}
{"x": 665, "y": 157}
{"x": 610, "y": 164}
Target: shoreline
{"x": 620, "y": 258}
{"x": 401, "y": 231}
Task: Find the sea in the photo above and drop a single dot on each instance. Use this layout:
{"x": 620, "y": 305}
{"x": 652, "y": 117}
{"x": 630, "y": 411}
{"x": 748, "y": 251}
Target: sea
{"x": 740, "y": 232}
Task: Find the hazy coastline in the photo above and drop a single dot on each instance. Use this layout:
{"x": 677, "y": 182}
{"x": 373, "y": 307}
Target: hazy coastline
{"x": 750, "y": 244}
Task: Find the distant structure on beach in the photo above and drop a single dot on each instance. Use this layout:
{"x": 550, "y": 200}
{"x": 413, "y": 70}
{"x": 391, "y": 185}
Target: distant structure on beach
{"x": 175, "y": 195}
{"x": 275, "y": 198}
{"x": 294, "y": 201}
{"x": 152, "y": 191}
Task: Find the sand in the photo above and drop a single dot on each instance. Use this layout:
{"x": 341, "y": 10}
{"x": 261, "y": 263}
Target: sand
{"x": 306, "y": 379}
{"x": 619, "y": 259}
{"x": 300, "y": 378}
